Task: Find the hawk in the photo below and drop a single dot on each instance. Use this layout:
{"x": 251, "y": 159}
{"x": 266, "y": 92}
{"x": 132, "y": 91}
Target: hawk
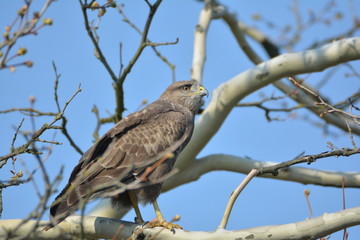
{"x": 132, "y": 159}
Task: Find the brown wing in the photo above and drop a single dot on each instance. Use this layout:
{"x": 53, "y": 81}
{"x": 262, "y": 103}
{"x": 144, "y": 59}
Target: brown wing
{"x": 123, "y": 152}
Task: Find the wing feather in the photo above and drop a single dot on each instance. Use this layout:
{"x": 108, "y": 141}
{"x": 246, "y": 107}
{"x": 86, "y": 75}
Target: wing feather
{"x": 124, "y": 151}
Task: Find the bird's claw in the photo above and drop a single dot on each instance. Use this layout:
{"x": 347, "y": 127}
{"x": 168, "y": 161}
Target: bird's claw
{"x": 164, "y": 224}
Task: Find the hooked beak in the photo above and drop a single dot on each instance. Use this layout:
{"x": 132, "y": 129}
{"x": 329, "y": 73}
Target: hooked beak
{"x": 203, "y": 92}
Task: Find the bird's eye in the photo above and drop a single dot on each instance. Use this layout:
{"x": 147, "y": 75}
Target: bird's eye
{"x": 185, "y": 88}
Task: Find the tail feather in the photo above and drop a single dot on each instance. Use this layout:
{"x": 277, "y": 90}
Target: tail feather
{"x": 60, "y": 208}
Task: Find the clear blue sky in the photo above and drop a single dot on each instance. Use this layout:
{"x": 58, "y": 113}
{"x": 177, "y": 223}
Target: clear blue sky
{"x": 245, "y": 133}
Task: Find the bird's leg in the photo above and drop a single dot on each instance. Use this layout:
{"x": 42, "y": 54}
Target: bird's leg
{"x": 161, "y": 221}
{"x": 135, "y": 205}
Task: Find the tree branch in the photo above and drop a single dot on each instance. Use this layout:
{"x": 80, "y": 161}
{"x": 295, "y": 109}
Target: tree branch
{"x": 97, "y": 227}
{"x": 222, "y": 162}
{"x": 238, "y": 28}
{"x": 229, "y": 93}
{"x": 25, "y": 147}
{"x": 199, "y": 55}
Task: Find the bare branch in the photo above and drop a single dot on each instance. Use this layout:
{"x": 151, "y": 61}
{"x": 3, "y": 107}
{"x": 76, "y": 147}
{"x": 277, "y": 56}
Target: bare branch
{"x": 308, "y": 159}
{"x": 221, "y": 162}
{"x": 234, "y": 195}
{"x": 142, "y": 45}
{"x": 152, "y": 45}
{"x": 94, "y": 40}
{"x": 229, "y": 93}
{"x": 25, "y": 147}
{"x": 199, "y": 55}
{"x": 25, "y": 27}
{"x": 97, "y": 227}
{"x": 303, "y": 99}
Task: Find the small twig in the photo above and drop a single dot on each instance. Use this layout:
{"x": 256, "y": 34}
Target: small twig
{"x": 25, "y": 147}
{"x": 121, "y": 59}
{"x": 24, "y": 28}
{"x": 57, "y": 77}
{"x": 162, "y": 57}
{"x": 46, "y": 141}
{"x": 67, "y": 135}
{"x": 118, "y": 231}
{"x": 162, "y": 44}
{"x": 306, "y": 195}
{"x": 15, "y": 135}
{"x": 321, "y": 102}
{"x": 352, "y": 105}
{"x": 234, "y": 195}
{"x": 28, "y": 112}
{"x": 345, "y": 234}
{"x": 350, "y": 134}
{"x": 84, "y": 8}
{"x": 308, "y": 159}
{"x": 260, "y": 104}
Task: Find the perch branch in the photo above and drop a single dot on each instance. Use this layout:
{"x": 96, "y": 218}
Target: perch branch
{"x": 97, "y": 227}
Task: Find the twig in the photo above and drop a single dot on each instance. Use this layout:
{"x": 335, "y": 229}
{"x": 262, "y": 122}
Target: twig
{"x": 260, "y": 104}
{"x": 84, "y": 8}
{"x": 306, "y": 195}
{"x": 119, "y": 83}
{"x": 238, "y": 28}
{"x": 46, "y": 141}
{"x": 28, "y": 111}
{"x": 350, "y": 134}
{"x": 25, "y": 147}
{"x": 345, "y": 234}
{"x": 234, "y": 195}
{"x": 157, "y": 52}
{"x": 67, "y": 135}
{"x": 57, "y": 77}
{"x": 321, "y": 102}
{"x": 15, "y": 135}
{"x": 41, "y": 207}
{"x": 308, "y": 159}
{"x": 24, "y": 28}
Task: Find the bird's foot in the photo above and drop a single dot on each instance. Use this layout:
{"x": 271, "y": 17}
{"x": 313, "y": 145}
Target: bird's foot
{"x": 139, "y": 220}
{"x": 164, "y": 224}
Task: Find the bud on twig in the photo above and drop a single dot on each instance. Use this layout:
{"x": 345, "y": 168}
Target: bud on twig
{"x": 22, "y": 10}
{"x": 29, "y": 63}
{"x": 22, "y": 51}
{"x": 94, "y": 5}
{"x": 48, "y": 21}
{"x": 306, "y": 192}
{"x": 32, "y": 99}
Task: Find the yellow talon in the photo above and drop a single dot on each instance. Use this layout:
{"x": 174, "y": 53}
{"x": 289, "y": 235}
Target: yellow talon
{"x": 164, "y": 224}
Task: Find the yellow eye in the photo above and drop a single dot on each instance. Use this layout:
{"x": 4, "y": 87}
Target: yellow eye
{"x": 185, "y": 88}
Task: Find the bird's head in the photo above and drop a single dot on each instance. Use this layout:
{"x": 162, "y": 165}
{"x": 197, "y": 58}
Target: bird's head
{"x": 186, "y": 93}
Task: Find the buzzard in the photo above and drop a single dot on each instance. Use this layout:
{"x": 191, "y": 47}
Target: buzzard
{"x": 132, "y": 159}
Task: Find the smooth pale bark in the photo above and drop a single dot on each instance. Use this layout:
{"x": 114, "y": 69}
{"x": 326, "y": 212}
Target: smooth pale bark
{"x": 218, "y": 162}
{"x": 228, "y": 94}
{"x": 96, "y": 227}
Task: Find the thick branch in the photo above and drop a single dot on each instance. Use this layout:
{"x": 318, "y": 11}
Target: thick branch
{"x": 200, "y": 42}
{"x": 221, "y": 162}
{"x": 302, "y": 98}
{"x": 96, "y": 227}
{"x": 228, "y": 94}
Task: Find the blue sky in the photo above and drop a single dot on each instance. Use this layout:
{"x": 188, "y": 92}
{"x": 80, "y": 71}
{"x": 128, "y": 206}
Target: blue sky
{"x": 246, "y": 132}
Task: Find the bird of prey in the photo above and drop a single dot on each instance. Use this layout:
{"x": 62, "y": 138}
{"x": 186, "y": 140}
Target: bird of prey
{"x": 131, "y": 160}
